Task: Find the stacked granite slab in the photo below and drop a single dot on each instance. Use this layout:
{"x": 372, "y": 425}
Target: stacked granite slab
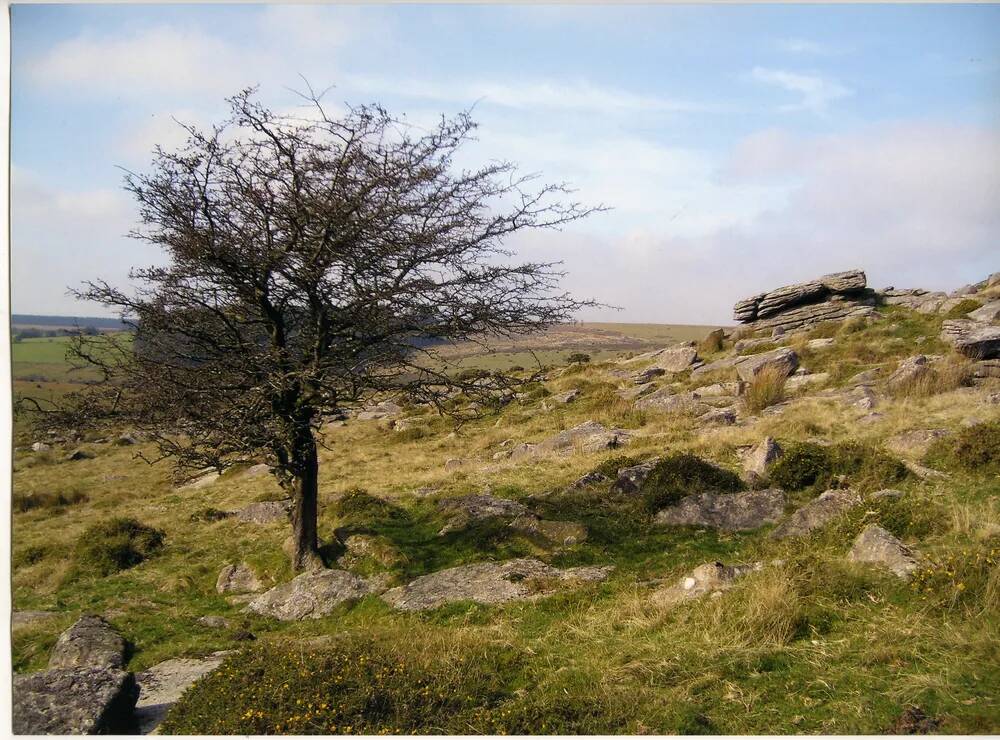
{"x": 835, "y": 297}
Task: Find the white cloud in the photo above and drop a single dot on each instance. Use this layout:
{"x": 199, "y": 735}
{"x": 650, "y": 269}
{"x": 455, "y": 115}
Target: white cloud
{"x": 158, "y": 60}
{"x": 816, "y": 92}
{"x": 803, "y": 46}
{"x": 554, "y": 94}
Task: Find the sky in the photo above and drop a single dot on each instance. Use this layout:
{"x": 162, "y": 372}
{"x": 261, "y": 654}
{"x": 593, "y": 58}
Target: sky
{"x": 740, "y": 147}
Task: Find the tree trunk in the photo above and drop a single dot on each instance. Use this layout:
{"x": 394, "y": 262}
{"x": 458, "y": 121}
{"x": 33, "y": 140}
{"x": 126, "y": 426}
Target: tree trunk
{"x": 305, "y": 492}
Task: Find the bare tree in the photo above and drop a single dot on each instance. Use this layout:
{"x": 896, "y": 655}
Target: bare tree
{"x": 314, "y": 264}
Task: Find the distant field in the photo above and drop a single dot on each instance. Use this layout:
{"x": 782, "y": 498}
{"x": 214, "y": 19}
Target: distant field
{"x": 43, "y": 360}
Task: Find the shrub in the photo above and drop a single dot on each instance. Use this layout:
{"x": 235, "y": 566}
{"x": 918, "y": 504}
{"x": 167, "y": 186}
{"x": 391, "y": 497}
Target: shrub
{"x": 578, "y": 357}
{"x": 766, "y": 389}
{"x": 113, "y": 546}
{"x": 862, "y": 466}
{"x": 609, "y": 468}
{"x": 963, "y": 307}
{"x": 358, "y": 506}
{"x": 681, "y": 474}
{"x": 353, "y": 685}
{"x": 46, "y": 500}
{"x": 853, "y": 325}
{"x": 975, "y": 449}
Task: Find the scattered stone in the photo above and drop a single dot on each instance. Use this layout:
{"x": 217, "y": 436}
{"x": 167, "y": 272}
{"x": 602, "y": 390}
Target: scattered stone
{"x": 74, "y": 701}
{"x": 40, "y": 447}
{"x": 237, "y": 579}
{"x": 161, "y": 686}
{"x": 565, "y": 397}
{"x": 488, "y": 583}
{"x": 973, "y": 338}
{"x": 717, "y": 390}
{"x": 202, "y": 482}
{"x": 913, "y": 721}
{"x": 215, "y": 622}
{"x": 477, "y": 507}
{"x": 783, "y": 358}
{"x": 361, "y": 548}
{"x": 730, "y": 512}
{"x": 454, "y": 463}
{"x": 255, "y": 471}
{"x": 986, "y": 368}
{"x": 877, "y": 546}
{"x": 89, "y": 643}
{"x": 707, "y": 578}
{"x": 886, "y": 494}
{"x": 667, "y": 401}
{"x": 724, "y": 363}
{"x": 630, "y": 479}
{"x": 126, "y": 440}
{"x": 923, "y": 472}
{"x": 816, "y": 514}
{"x": 382, "y": 410}
{"x": 266, "y": 512}
{"x": 590, "y": 479}
{"x": 806, "y": 380}
{"x": 871, "y": 418}
{"x": 311, "y": 595}
{"x": 743, "y": 344}
{"x": 590, "y": 436}
{"x": 761, "y": 457}
{"x": 80, "y": 454}
{"x": 822, "y": 343}
{"x": 914, "y": 443}
{"x": 910, "y": 370}
{"x": 724, "y": 416}
{"x": 865, "y": 377}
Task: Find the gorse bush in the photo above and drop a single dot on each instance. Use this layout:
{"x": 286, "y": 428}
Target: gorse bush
{"x": 578, "y": 357}
{"x": 353, "y": 686}
{"x": 113, "y": 546}
{"x": 862, "y": 466}
{"x": 681, "y": 474}
{"x": 975, "y": 449}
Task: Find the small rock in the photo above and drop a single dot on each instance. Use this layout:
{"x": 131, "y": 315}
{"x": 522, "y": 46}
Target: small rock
{"x": 913, "y": 721}
{"x": 126, "y": 440}
{"x": 923, "y": 472}
{"x": 237, "y": 579}
{"x": 910, "y": 370}
{"x": 361, "y": 548}
{"x": 565, "y": 397}
{"x": 713, "y": 578}
{"x": 80, "y": 454}
{"x": 266, "y": 512}
{"x": 40, "y": 447}
{"x": 454, "y": 463}
{"x": 820, "y": 343}
{"x": 630, "y": 479}
{"x": 89, "y": 643}
{"x": 215, "y": 622}
{"x": 718, "y": 416}
{"x": 782, "y": 358}
{"x": 914, "y": 443}
{"x": 886, "y": 494}
{"x": 203, "y": 482}
{"x": 761, "y": 457}
{"x": 877, "y": 546}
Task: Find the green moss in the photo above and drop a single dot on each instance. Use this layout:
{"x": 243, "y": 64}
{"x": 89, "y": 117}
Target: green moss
{"x": 113, "y": 546}
{"x": 682, "y": 474}
{"x": 963, "y": 307}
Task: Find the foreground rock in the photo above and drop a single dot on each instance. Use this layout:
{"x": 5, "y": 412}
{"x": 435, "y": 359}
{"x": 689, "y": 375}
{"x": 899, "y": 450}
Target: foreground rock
{"x": 310, "y": 595}
{"x": 730, "y": 512}
{"x": 489, "y": 583}
{"x": 709, "y": 578}
{"x": 90, "y": 642}
{"x": 162, "y": 685}
{"x": 817, "y": 513}
{"x": 74, "y": 701}
{"x": 876, "y": 546}
{"x": 973, "y": 338}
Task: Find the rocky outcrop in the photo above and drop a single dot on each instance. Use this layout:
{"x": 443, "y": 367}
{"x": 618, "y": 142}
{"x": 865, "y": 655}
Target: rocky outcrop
{"x": 162, "y": 685}
{"x": 668, "y": 401}
{"x": 590, "y": 436}
{"x": 730, "y": 512}
{"x": 74, "y": 701}
{"x": 911, "y": 370}
{"x": 761, "y": 457}
{"x": 709, "y": 578}
{"x": 876, "y": 546}
{"x": 237, "y": 579}
{"x": 987, "y": 313}
{"x": 817, "y": 513}
{"x": 90, "y": 642}
{"x": 675, "y": 359}
{"x": 973, "y": 339}
{"x": 488, "y": 583}
{"x": 831, "y": 297}
{"x": 311, "y": 595}
{"x": 463, "y": 510}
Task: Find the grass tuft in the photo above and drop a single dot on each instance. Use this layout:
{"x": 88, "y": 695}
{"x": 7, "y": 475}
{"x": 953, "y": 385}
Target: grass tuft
{"x": 766, "y": 389}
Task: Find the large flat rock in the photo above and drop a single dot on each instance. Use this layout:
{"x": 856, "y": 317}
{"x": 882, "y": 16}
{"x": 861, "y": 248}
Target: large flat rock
{"x": 730, "y": 512}
{"x": 74, "y": 701}
{"x": 310, "y": 595}
{"x": 488, "y": 583}
{"x": 973, "y": 339}
{"x": 163, "y": 684}
{"x": 817, "y": 513}
{"x": 788, "y": 296}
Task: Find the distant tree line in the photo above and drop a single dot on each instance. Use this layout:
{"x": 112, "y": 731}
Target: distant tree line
{"x": 34, "y": 333}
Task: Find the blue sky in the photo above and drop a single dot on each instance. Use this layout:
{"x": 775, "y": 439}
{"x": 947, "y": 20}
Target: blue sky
{"x": 741, "y": 147}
